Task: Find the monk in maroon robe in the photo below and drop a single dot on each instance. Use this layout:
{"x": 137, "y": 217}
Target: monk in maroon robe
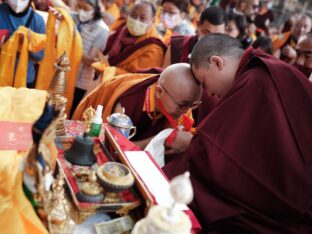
{"x": 212, "y": 20}
{"x": 251, "y": 160}
{"x": 157, "y": 103}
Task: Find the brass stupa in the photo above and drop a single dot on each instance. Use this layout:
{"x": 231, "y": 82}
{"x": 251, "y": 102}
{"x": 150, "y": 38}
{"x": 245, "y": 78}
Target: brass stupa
{"x": 57, "y": 90}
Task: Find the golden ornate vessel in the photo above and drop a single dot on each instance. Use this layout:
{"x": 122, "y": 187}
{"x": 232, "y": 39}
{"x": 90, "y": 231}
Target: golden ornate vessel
{"x": 57, "y": 90}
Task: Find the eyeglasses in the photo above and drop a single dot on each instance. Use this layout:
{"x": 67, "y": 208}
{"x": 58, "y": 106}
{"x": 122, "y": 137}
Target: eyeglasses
{"x": 181, "y": 106}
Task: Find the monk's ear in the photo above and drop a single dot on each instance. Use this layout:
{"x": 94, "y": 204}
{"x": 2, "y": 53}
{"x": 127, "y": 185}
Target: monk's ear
{"x": 158, "y": 91}
{"x": 217, "y": 61}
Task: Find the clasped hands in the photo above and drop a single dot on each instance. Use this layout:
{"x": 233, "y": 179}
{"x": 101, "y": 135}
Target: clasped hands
{"x": 180, "y": 142}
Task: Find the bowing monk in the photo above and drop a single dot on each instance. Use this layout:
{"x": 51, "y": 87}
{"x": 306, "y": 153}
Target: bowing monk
{"x": 251, "y": 161}
{"x": 137, "y": 45}
{"x": 212, "y": 20}
{"x": 153, "y": 102}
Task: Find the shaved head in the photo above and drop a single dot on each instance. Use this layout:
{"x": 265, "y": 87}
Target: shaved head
{"x": 215, "y": 44}
{"x": 177, "y": 88}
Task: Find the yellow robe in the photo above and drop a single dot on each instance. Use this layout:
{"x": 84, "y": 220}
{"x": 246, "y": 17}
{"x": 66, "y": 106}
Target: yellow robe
{"x": 8, "y": 57}
{"x": 148, "y": 56}
{"x": 16, "y": 212}
{"x": 114, "y": 11}
{"x": 69, "y": 40}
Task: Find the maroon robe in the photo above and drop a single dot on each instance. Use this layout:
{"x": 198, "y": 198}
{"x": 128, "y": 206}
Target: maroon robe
{"x": 133, "y": 100}
{"x": 251, "y": 160}
{"x": 121, "y": 44}
{"x": 181, "y": 47}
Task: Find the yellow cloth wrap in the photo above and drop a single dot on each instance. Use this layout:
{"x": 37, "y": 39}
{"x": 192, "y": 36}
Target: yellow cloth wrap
{"x": 8, "y": 56}
{"x": 21, "y": 105}
{"x": 69, "y": 40}
{"x": 16, "y": 213}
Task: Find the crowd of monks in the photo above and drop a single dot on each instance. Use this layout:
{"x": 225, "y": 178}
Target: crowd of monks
{"x": 234, "y": 87}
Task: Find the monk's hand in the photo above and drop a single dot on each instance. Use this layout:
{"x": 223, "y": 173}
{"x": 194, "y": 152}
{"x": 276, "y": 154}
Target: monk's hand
{"x": 180, "y": 143}
{"x": 289, "y": 52}
{"x": 57, "y": 13}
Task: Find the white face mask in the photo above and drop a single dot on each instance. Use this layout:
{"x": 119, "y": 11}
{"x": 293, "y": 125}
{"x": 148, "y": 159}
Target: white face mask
{"x": 136, "y": 27}
{"x": 169, "y": 21}
{"x": 85, "y": 16}
{"x": 18, "y": 6}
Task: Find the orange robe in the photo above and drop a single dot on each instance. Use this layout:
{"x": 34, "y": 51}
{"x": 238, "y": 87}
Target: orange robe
{"x": 128, "y": 89}
{"x": 279, "y": 41}
{"x": 69, "y": 40}
{"x": 108, "y": 92}
{"x": 147, "y": 51}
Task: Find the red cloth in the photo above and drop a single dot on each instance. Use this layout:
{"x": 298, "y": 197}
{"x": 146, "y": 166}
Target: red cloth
{"x": 127, "y": 145}
{"x": 251, "y": 160}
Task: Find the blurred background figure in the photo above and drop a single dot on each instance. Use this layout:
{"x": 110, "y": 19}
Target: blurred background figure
{"x": 303, "y": 59}
{"x": 284, "y": 44}
{"x": 250, "y": 35}
{"x": 252, "y": 10}
{"x": 173, "y": 19}
{"x": 111, "y": 11}
{"x": 94, "y": 33}
{"x": 236, "y": 26}
{"x": 240, "y": 7}
{"x": 263, "y": 43}
{"x": 212, "y": 20}
{"x": 196, "y": 7}
{"x": 16, "y": 13}
{"x": 42, "y": 5}
{"x": 264, "y": 17}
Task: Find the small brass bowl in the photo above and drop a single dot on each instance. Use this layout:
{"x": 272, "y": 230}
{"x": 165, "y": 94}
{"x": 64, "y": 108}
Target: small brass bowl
{"x": 115, "y": 177}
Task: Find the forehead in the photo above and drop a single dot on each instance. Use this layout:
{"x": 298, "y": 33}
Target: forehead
{"x": 210, "y": 28}
{"x": 200, "y": 73}
{"x": 142, "y": 10}
{"x": 304, "y": 21}
{"x": 169, "y": 6}
{"x": 305, "y": 44}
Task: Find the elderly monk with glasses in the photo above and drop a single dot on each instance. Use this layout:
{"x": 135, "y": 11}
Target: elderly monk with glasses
{"x": 153, "y": 102}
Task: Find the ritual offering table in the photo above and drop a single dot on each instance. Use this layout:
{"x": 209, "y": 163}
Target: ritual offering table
{"x": 106, "y": 185}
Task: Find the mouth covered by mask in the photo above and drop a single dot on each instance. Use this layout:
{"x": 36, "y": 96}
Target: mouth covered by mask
{"x": 169, "y": 21}
{"x": 18, "y": 6}
{"x": 305, "y": 70}
{"x": 85, "y": 16}
{"x": 136, "y": 27}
